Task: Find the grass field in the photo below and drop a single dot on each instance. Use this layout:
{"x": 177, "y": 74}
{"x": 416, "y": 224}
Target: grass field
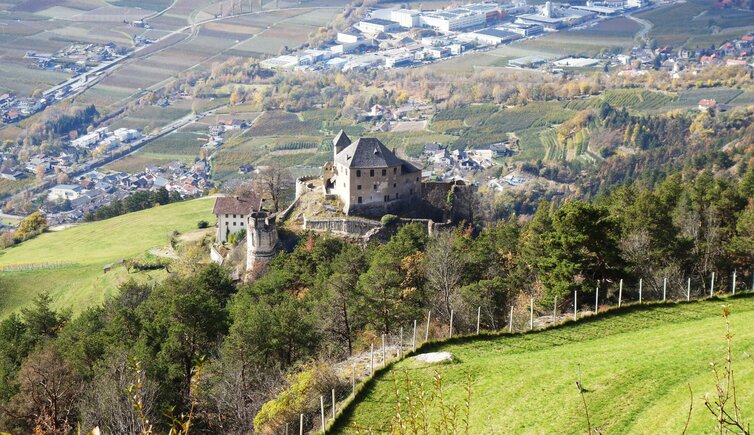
{"x": 636, "y": 365}
{"x": 91, "y": 246}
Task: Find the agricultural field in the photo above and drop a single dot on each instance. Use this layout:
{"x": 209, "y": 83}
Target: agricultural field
{"x": 636, "y": 365}
{"x": 694, "y": 23}
{"x": 90, "y": 246}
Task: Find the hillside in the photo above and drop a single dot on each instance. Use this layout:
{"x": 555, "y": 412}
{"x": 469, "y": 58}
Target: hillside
{"x": 91, "y": 246}
{"x": 636, "y": 366}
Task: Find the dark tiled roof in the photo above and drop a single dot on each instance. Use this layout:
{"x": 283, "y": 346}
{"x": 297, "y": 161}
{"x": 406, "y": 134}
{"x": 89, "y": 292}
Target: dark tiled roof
{"x": 367, "y": 152}
{"x": 341, "y": 140}
{"x": 408, "y": 168}
{"x": 234, "y": 205}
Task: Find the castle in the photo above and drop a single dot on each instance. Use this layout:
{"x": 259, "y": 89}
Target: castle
{"x": 368, "y": 178}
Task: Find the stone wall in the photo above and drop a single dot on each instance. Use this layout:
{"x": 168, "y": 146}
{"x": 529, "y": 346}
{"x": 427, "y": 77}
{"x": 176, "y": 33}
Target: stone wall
{"x": 345, "y": 227}
{"x": 303, "y": 184}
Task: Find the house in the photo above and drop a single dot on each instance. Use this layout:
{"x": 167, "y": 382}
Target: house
{"x": 11, "y": 174}
{"x": 246, "y": 169}
{"x": 233, "y": 213}
{"x": 368, "y": 178}
{"x": 706, "y": 104}
{"x": 65, "y": 191}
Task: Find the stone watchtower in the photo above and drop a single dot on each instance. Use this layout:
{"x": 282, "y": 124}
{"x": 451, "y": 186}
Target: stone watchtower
{"x": 261, "y": 240}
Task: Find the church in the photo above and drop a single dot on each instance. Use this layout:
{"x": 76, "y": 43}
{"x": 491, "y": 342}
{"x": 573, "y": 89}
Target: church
{"x": 368, "y": 178}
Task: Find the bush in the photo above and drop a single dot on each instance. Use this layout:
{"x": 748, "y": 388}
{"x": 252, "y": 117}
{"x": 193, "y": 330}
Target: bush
{"x": 388, "y": 219}
{"x": 236, "y": 238}
{"x": 202, "y": 224}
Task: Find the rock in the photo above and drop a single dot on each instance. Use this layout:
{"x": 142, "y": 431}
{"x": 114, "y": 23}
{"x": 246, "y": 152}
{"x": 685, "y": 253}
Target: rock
{"x": 435, "y": 357}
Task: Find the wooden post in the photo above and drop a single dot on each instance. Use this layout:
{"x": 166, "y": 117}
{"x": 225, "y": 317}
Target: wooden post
{"x": 734, "y": 282}
{"x": 371, "y": 359}
{"x": 575, "y": 298}
{"x": 301, "y": 425}
{"x": 712, "y": 285}
{"x": 531, "y": 314}
{"x": 383, "y": 349}
{"x": 478, "y": 319}
{"x": 400, "y": 344}
{"x": 413, "y": 340}
{"x": 664, "y": 288}
{"x": 333, "y": 403}
{"x": 510, "y": 321}
{"x": 640, "y": 285}
{"x": 555, "y": 309}
{"x": 286, "y": 428}
{"x": 426, "y": 336}
{"x": 450, "y": 331}
{"x": 688, "y": 290}
{"x": 597, "y": 300}
{"x": 620, "y": 293}
{"x": 322, "y": 411}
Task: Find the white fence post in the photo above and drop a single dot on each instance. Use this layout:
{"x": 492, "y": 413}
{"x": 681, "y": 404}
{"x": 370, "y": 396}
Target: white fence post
{"x": 371, "y": 359}
{"x": 510, "y": 321}
{"x": 478, "y": 319}
{"x": 450, "y": 331}
{"x": 640, "y": 286}
{"x": 597, "y": 299}
{"x": 429, "y": 316}
{"x": 555, "y": 309}
{"x": 531, "y": 314}
{"x": 353, "y": 378}
{"x": 620, "y": 293}
{"x": 301, "y": 425}
{"x": 734, "y": 282}
{"x": 400, "y": 344}
{"x": 383, "y": 349}
{"x": 322, "y": 410}
{"x": 333, "y": 403}
{"x": 413, "y": 340}
{"x": 688, "y": 290}
{"x": 712, "y": 285}
{"x": 575, "y": 297}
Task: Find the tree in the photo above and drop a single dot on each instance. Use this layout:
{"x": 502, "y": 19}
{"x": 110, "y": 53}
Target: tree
{"x": 48, "y": 392}
{"x": 443, "y": 267}
{"x": 32, "y": 225}
{"x": 272, "y": 182}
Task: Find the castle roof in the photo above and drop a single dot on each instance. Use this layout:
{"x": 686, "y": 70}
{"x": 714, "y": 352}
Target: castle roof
{"x": 246, "y": 205}
{"x": 341, "y": 140}
{"x": 367, "y": 152}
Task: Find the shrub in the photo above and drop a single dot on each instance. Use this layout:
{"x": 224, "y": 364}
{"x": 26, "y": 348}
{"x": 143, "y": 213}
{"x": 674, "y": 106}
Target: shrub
{"x": 236, "y": 238}
{"x": 202, "y": 224}
{"x": 388, "y": 219}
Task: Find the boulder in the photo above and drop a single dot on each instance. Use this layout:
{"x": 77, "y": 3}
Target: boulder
{"x": 435, "y": 357}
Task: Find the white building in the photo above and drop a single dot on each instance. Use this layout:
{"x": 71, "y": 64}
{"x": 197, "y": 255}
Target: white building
{"x": 406, "y": 17}
{"x": 65, "y": 191}
{"x": 453, "y": 20}
{"x": 233, "y": 213}
{"x": 280, "y": 62}
{"x": 126, "y": 134}
{"x": 91, "y": 139}
{"x": 492, "y": 36}
{"x": 376, "y": 25}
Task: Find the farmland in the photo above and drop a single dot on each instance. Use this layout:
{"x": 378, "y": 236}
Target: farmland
{"x": 91, "y": 246}
{"x": 636, "y": 365}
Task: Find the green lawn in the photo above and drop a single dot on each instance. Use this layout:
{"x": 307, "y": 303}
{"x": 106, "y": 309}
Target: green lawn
{"x": 636, "y": 365}
{"x": 91, "y": 246}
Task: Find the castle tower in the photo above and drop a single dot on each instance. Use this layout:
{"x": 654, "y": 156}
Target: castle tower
{"x": 547, "y": 12}
{"x": 339, "y": 143}
{"x": 261, "y": 240}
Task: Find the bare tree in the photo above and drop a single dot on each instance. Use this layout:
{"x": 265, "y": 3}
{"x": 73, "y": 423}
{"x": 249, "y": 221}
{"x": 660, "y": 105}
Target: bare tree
{"x": 48, "y": 392}
{"x": 272, "y": 182}
{"x": 443, "y": 270}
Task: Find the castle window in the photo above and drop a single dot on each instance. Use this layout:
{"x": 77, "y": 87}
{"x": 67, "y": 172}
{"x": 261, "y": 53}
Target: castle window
{"x": 387, "y": 198}
{"x": 417, "y": 178}
{"x": 384, "y": 172}
{"x": 234, "y": 216}
{"x": 394, "y": 184}
{"x": 395, "y": 170}
{"x": 359, "y": 200}
{"x": 358, "y": 187}
{"x": 375, "y": 187}
{"x": 371, "y": 172}
{"x": 358, "y": 172}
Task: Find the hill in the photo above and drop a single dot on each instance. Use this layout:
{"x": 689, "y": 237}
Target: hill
{"x": 86, "y": 248}
{"x": 636, "y": 364}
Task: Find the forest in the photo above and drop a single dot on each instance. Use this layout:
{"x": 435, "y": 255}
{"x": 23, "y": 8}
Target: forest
{"x": 197, "y": 351}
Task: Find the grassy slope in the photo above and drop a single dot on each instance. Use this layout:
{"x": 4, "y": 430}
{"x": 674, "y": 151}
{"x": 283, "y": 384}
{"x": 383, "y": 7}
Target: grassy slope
{"x": 636, "y": 364}
{"x": 92, "y": 246}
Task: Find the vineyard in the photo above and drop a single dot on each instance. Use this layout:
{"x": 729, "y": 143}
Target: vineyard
{"x": 629, "y": 98}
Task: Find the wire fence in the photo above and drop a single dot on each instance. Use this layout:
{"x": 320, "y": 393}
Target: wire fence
{"x": 34, "y": 266}
{"x": 536, "y": 314}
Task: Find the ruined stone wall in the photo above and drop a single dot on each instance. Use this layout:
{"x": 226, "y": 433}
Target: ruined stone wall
{"x": 345, "y": 227}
